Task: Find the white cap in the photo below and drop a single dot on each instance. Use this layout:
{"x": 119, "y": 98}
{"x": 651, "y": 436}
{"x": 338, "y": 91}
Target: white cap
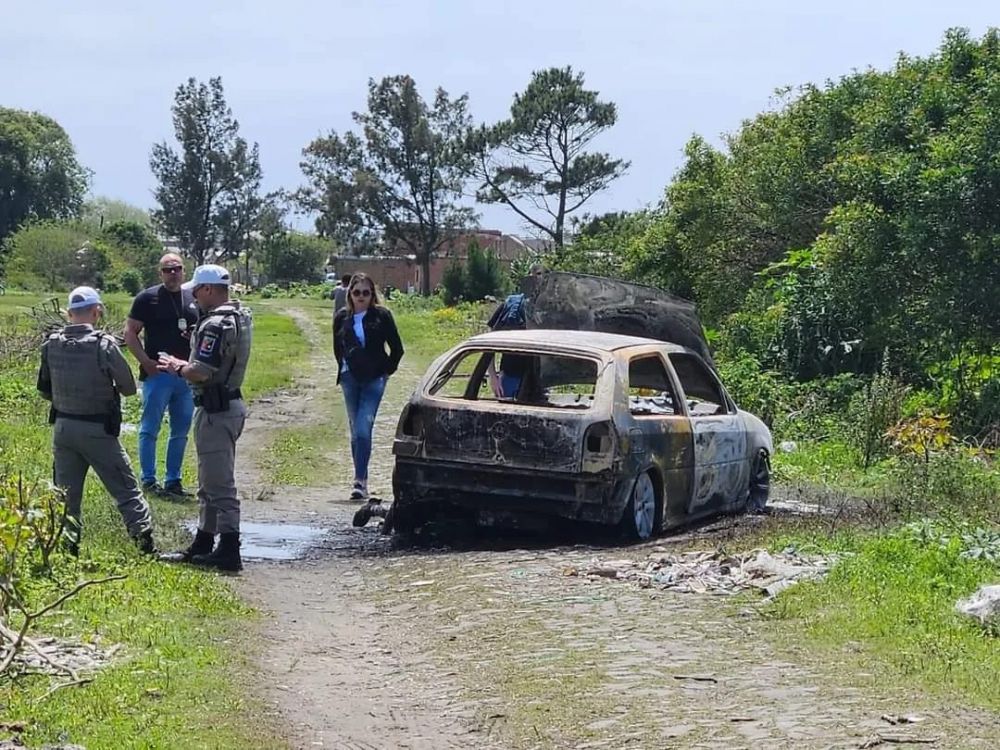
{"x": 83, "y": 296}
{"x": 208, "y": 274}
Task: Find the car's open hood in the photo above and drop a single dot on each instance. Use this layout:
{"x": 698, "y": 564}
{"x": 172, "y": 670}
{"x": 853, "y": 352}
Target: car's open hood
{"x": 573, "y": 301}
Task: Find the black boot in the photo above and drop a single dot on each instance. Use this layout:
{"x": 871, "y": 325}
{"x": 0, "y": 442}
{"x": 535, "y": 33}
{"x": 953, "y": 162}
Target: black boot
{"x": 226, "y": 556}
{"x": 202, "y": 545}
{"x": 144, "y": 543}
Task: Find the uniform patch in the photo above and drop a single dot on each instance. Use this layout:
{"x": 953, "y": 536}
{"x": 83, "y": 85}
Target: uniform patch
{"x": 209, "y": 350}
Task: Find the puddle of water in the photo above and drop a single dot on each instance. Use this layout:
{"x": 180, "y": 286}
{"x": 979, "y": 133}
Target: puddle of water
{"x": 275, "y": 541}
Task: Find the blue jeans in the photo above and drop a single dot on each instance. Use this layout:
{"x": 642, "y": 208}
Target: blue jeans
{"x": 161, "y": 393}
{"x": 362, "y": 400}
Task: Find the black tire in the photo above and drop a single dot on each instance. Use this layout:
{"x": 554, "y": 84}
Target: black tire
{"x": 760, "y": 483}
{"x": 641, "y": 517}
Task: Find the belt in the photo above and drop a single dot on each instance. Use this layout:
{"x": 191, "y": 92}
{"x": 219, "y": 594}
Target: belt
{"x": 95, "y": 418}
{"x": 235, "y": 395}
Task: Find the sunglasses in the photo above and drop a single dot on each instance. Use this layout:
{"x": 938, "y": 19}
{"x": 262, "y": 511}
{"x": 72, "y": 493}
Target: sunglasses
{"x": 172, "y": 269}
{"x": 361, "y": 292}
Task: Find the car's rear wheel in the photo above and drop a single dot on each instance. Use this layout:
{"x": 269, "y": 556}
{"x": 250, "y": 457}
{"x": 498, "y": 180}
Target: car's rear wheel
{"x": 639, "y": 519}
{"x": 760, "y": 483}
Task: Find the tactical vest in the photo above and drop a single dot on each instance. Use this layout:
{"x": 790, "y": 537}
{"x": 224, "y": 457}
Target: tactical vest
{"x": 237, "y": 326}
{"x": 80, "y": 371}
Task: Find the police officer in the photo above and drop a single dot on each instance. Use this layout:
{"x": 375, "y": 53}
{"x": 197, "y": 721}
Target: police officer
{"x": 220, "y": 351}
{"x": 83, "y": 373}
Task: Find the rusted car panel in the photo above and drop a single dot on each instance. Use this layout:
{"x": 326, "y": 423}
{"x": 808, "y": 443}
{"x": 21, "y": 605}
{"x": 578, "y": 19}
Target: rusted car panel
{"x": 573, "y": 455}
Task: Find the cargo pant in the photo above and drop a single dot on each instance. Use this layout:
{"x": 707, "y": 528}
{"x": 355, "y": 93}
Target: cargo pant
{"x": 215, "y": 437}
{"x": 78, "y": 446}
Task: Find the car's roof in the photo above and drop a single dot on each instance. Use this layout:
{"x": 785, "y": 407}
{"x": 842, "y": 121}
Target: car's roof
{"x": 594, "y": 341}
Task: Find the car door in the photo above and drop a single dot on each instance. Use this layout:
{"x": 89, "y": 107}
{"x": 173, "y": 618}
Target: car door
{"x": 660, "y": 422}
{"x": 718, "y": 437}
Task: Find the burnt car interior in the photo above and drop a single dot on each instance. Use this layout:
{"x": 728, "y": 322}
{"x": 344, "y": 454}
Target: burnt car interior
{"x": 650, "y": 392}
{"x": 548, "y": 380}
{"x": 703, "y": 392}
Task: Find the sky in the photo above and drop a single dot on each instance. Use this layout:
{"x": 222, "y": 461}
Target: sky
{"x": 293, "y": 70}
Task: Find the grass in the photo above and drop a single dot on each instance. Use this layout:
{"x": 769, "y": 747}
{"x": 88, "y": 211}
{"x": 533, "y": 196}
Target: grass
{"x": 894, "y": 594}
{"x": 184, "y": 678}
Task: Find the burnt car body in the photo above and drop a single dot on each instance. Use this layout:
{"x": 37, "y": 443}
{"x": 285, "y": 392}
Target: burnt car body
{"x": 605, "y": 428}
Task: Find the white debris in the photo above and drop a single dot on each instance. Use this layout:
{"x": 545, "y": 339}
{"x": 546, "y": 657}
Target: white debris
{"x": 984, "y": 605}
{"x": 788, "y": 446}
{"x": 713, "y": 572}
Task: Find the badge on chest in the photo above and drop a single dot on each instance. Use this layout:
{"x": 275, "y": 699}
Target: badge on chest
{"x": 182, "y": 324}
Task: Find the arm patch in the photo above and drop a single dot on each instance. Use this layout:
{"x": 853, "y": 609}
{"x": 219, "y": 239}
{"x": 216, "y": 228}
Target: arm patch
{"x": 209, "y": 349}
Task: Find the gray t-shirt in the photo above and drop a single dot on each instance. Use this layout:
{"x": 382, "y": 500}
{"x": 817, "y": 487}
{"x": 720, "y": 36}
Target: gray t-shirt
{"x": 339, "y": 298}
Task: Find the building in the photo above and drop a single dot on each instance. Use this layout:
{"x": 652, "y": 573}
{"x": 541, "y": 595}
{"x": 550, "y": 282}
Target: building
{"x": 402, "y": 270}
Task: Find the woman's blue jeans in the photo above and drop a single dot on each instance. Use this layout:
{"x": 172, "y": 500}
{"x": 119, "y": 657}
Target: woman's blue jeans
{"x": 362, "y": 399}
{"x": 162, "y": 393}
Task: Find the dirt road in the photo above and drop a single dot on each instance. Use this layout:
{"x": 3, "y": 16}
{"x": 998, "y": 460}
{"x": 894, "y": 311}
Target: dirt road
{"x": 366, "y": 645}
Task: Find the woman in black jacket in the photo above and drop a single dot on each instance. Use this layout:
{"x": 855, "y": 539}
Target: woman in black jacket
{"x": 361, "y": 333}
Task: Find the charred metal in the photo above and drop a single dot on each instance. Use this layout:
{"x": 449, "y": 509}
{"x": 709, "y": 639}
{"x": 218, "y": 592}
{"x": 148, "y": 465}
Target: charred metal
{"x": 605, "y": 426}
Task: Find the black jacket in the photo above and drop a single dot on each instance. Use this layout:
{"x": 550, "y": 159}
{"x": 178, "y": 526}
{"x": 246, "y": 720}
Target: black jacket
{"x": 372, "y": 360}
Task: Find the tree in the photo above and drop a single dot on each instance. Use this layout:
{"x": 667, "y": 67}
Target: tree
{"x": 239, "y": 211}
{"x": 40, "y": 177}
{"x": 134, "y": 253}
{"x": 56, "y": 256}
{"x": 401, "y": 177}
{"x": 101, "y": 211}
{"x": 536, "y": 161}
{"x": 203, "y": 191}
{"x": 484, "y": 275}
{"x": 293, "y": 256}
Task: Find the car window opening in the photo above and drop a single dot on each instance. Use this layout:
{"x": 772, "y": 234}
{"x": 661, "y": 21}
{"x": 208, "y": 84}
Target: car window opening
{"x": 702, "y": 390}
{"x": 519, "y": 377}
{"x": 650, "y": 392}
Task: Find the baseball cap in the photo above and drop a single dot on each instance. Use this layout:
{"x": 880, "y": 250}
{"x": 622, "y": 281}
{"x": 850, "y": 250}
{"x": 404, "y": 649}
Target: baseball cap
{"x": 83, "y": 296}
{"x": 207, "y": 274}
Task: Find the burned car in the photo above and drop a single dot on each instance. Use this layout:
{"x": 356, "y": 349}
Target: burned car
{"x": 605, "y": 428}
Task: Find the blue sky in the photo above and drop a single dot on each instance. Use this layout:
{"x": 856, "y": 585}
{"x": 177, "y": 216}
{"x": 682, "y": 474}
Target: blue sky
{"x": 107, "y": 69}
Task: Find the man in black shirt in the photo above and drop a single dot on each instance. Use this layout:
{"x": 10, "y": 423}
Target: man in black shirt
{"x": 168, "y": 314}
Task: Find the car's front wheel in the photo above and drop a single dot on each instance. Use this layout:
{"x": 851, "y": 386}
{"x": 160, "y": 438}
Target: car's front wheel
{"x": 760, "y": 483}
{"x": 639, "y": 520}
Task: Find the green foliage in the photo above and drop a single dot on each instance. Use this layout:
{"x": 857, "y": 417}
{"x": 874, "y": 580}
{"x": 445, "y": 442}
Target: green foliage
{"x": 208, "y": 191}
{"x": 481, "y": 276}
{"x": 601, "y": 244}
{"x": 101, "y": 211}
{"x": 853, "y": 217}
{"x": 537, "y": 160}
{"x": 56, "y": 255}
{"x": 485, "y": 275}
{"x": 134, "y": 253}
{"x": 403, "y": 176}
{"x": 40, "y": 177}
{"x": 454, "y": 282}
{"x": 873, "y": 412}
{"x": 896, "y": 597}
{"x": 291, "y": 256}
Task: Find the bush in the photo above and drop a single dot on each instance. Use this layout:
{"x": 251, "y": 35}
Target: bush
{"x": 130, "y": 280}
{"x": 873, "y": 411}
{"x": 454, "y": 283}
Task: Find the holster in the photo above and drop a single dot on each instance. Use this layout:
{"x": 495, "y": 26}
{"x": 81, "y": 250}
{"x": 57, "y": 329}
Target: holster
{"x": 215, "y": 399}
{"x": 113, "y": 419}
{"x": 52, "y": 414}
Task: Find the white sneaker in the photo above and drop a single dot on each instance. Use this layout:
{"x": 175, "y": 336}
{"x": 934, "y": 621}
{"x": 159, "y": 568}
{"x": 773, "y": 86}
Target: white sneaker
{"x": 360, "y": 491}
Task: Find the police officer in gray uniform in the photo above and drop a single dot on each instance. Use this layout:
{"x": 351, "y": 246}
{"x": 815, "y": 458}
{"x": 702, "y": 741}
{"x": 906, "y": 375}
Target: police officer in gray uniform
{"x": 83, "y": 374}
{"x": 220, "y": 351}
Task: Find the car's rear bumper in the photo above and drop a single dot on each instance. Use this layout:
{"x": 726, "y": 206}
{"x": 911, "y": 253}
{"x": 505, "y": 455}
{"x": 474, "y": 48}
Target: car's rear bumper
{"x": 594, "y": 497}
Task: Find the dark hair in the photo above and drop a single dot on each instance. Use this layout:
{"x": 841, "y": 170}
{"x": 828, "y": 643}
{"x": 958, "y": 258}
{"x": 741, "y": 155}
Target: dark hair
{"x": 345, "y": 279}
{"x": 356, "y": 279}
